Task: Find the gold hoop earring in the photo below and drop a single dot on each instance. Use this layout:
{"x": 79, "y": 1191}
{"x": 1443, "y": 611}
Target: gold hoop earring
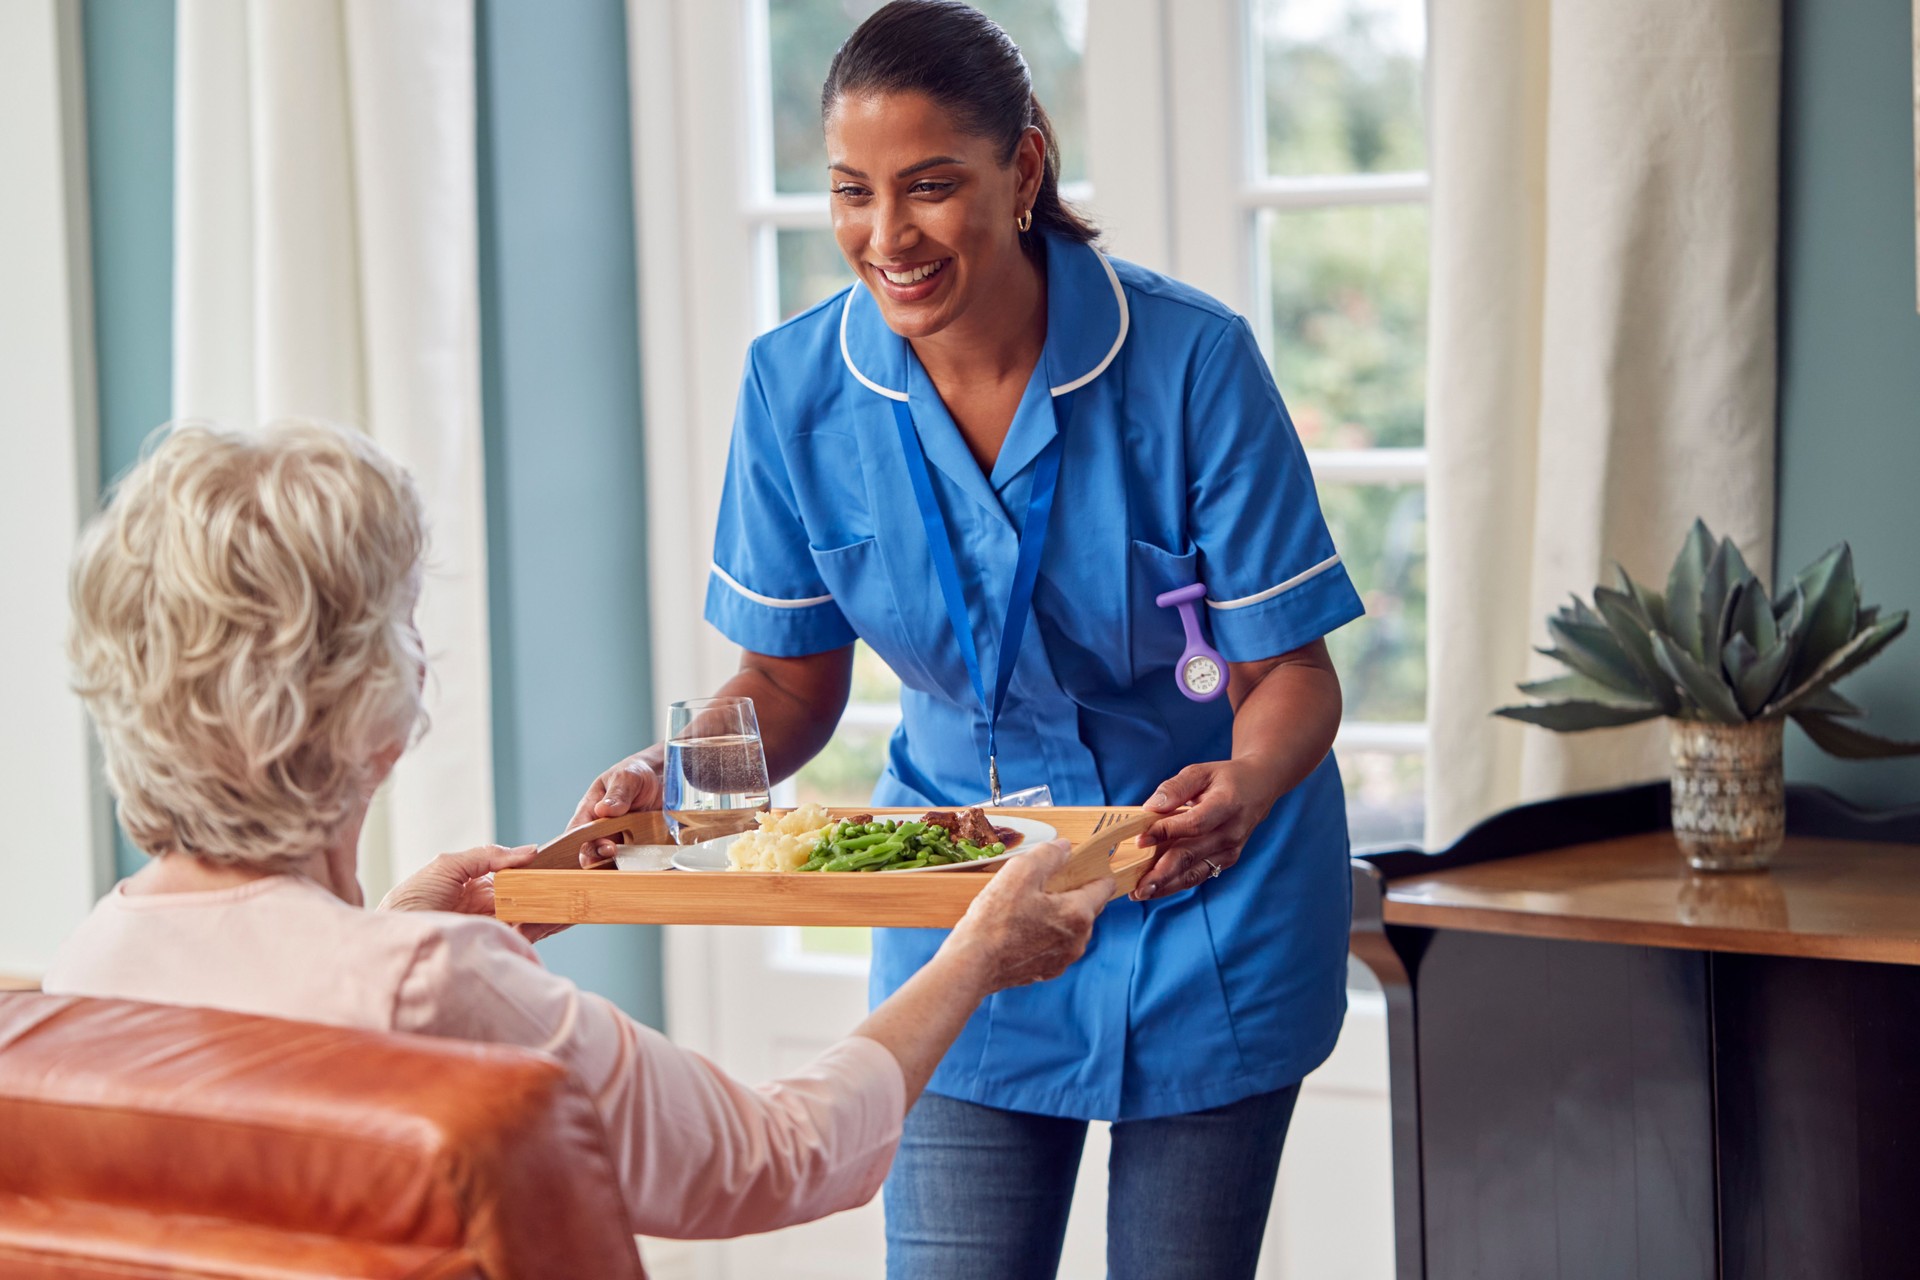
{"x": 1024, "y": 222}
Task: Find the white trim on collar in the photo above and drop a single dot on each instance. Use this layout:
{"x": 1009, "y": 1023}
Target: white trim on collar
{"x": 1119, "y": 297}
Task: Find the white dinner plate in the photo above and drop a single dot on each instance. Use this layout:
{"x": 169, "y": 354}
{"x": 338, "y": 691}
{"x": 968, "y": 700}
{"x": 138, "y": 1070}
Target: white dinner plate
{"x": 712, "y": 856}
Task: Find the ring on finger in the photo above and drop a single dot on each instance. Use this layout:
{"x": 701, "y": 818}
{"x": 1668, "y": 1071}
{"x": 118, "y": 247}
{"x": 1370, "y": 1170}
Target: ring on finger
{"x": 1217, "y": 868}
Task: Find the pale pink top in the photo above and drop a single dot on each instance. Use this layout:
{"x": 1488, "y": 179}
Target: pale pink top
{"x": 700, "y": 1154}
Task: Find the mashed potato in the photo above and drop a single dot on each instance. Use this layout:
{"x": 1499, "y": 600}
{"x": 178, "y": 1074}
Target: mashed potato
{"x": 783, "y": 841}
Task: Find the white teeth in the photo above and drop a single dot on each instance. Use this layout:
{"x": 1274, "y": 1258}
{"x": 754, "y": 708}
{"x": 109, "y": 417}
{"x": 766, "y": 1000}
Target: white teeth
{"x": 912, "y": 276}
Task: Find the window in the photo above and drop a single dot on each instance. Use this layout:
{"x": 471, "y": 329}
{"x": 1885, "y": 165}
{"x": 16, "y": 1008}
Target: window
{"x": 1336, "y": 201}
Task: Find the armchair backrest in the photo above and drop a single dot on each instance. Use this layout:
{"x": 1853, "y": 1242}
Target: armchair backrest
{"x": 155, "y": 1139}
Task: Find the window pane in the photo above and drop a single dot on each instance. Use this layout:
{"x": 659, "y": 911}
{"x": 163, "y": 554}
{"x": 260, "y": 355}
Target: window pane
{"x": 811, "y": 269}
{"x": 1342, "y": 85}
{"x": 845, "y": 771}
{"x": 1348, "y": 322}
{"x": 837, "y": 942}
{"x": 1386, "y": 801}
{"x": 802, "y": 38}
{"x": 1381, "y": 533}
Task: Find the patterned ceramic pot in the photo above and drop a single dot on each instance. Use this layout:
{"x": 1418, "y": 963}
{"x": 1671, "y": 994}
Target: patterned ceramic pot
{"x": 1729, "y": 793}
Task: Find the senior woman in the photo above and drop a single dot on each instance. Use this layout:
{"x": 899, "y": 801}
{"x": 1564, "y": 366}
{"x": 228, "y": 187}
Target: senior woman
{"x": 243, "y": 638}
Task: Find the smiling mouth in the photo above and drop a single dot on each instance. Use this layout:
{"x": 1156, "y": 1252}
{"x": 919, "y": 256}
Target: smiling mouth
{"x": 904, "y": 276}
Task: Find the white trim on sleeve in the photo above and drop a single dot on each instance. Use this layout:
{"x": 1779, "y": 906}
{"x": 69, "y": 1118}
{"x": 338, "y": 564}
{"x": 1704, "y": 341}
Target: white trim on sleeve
{"x": 1273, "y": 591}
{"x": 769, "y": 601}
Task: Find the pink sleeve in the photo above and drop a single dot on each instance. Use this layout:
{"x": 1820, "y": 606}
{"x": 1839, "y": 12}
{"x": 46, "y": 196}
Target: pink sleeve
{"x": 700, "y": 1155}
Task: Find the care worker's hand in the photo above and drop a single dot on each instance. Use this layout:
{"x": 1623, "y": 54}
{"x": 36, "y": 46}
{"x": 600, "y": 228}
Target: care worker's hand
{"x": 631, "y": 786}
{"x": 1015, "y": 931}
{"x": 463, "y": 882}
{"x": 1229, "y": 798}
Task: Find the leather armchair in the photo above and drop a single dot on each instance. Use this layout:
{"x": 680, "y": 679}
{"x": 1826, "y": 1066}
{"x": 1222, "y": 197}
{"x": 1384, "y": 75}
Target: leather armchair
{"x": 151, "y": 1140}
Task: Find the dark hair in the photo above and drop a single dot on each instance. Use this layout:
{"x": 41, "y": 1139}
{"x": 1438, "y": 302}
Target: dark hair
{"x": 966, "y": 62}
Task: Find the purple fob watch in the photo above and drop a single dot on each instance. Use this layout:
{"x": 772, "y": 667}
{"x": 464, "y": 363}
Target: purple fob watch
{"x": 1201, "y": 673}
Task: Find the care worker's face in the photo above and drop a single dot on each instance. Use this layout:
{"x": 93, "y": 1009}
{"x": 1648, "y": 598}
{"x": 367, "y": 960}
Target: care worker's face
{"x": 923, "y": 212}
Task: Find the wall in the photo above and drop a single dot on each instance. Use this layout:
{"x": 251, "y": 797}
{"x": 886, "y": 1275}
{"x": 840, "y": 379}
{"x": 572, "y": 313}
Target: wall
{"x": 1850, "y": 348}
{"x": 129, "y": 74}
{"x": 566, "y": 515}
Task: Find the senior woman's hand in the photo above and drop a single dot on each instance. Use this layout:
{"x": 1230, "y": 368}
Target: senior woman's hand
{"x": 463, "y": 882}
{"x": 1015, "y": 931}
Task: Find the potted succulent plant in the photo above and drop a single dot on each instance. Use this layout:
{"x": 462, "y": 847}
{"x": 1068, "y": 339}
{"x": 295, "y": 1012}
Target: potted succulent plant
{"x": 1727, "y": 665}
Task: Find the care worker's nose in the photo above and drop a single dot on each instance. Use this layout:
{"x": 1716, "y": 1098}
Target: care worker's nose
{"x": 893, "y": 233}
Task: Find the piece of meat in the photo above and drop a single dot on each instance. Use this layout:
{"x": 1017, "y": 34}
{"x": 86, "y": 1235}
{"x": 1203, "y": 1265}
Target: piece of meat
{"x": 858, "y": 820}
{"x": 975, "y": 829}
{"x": 943, "y": 819}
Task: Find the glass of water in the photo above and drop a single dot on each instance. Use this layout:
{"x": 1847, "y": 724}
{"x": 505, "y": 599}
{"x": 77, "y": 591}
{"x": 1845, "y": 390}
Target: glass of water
{"x": 716, "y": 777}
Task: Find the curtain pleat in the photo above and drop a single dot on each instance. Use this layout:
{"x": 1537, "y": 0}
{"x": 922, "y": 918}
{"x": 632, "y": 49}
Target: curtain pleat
{"x": 327, "y": 267}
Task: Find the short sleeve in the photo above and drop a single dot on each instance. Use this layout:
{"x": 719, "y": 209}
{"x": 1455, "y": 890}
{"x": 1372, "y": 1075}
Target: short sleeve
{"x": 1274, "y": 578}
{"x": 765, "y": 594}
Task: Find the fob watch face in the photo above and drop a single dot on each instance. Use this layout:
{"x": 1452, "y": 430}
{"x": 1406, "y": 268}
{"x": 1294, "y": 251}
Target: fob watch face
{"x": 1201, "y": 674}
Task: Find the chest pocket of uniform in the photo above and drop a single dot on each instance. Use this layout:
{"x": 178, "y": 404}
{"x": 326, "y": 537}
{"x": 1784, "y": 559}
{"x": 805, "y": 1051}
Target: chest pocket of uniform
{"x": 1155, "y": 637}
{"x": 857, "y": 576}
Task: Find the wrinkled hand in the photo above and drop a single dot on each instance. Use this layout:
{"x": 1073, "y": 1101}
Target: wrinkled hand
{"x": 1229, "y": 798}
{"x": 463, "y": 882}
{"x": 629, "y": 786}
{"x": 1019, "y": 931}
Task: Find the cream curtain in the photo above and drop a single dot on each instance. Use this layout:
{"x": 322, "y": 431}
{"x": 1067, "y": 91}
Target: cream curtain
{"x": 326, "y": 266}
{"x": 1602, "y": 352}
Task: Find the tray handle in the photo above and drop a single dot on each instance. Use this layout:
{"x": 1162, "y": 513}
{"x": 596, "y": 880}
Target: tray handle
{"x": 563, "y": 851}
{"x": 1090, "y": 859}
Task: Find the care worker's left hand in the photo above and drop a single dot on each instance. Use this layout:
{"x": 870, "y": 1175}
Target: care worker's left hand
{"x": 463, "y": 882}
{"x": 1229, "y": 799}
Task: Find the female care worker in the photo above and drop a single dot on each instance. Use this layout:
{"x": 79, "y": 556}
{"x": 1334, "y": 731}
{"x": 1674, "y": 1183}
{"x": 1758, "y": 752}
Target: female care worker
{"x": 987, "y": 459}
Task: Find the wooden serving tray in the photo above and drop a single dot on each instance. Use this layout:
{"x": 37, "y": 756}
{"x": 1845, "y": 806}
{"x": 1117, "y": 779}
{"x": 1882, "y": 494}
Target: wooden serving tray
{"x": 555, "y": 890}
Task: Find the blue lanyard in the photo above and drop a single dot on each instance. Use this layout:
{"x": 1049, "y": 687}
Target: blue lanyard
{"x": 1026, "y": 572}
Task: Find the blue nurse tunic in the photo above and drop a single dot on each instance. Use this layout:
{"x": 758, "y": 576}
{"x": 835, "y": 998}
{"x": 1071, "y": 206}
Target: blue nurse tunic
{"x": 1180, "y": 464}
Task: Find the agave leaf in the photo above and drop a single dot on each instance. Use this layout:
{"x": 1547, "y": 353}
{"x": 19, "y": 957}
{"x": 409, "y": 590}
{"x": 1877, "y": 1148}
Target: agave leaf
{"x": 1827, "y": 702}
{"x": 1849, "y": 658}
{"x": 1737, "y": 570}
{"x": 1630, "y": 631}
{"x": 1574, "y": 687}
{"x": 1683, "y": 587}
{"x": 1581, "y": 613}
{"x": 1726, "y": 574}
{"x": 1759, "y": 682}
{"x": 1849, "y": 743}
{"x": 1572, "y": 716}
{"x": 1591, "y": 650}
{"x": 1736, "y": 660}
{"x": 1707, "y": 690}
{"x": 1651, "y": 604}
{"x": 1753, "y": 616}
{"x": 1832, "y": 610}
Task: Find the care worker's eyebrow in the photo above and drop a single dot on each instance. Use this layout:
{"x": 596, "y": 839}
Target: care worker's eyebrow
{"x": 932, "y": 162}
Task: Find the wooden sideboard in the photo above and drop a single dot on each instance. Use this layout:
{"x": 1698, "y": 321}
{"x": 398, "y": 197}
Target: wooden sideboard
{"x": 1606, "y": 1066}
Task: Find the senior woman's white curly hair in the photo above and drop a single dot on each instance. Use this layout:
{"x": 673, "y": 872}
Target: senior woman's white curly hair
{"x": 243, "y": 638}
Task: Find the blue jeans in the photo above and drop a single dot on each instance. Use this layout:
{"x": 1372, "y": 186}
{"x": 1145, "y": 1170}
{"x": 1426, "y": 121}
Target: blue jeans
{"x": 979, "y": 1192}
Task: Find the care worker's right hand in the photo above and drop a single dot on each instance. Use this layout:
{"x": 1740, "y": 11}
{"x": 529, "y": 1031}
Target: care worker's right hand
{"x": 630, "y": 786}
{"x": 1016, "y": 932}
